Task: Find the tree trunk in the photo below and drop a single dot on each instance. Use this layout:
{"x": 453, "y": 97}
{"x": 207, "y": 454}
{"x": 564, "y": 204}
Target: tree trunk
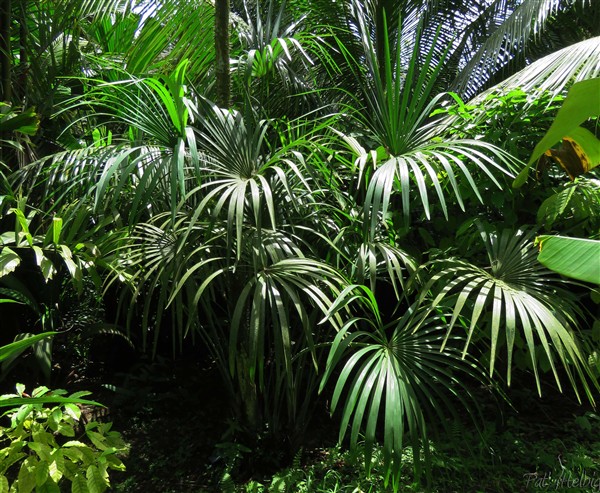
{"x": 222, "y": 53}
{"x": 5, "y": 50}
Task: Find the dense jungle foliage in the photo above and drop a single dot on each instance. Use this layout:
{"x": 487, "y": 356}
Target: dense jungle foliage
{"x": 258, "y": 228}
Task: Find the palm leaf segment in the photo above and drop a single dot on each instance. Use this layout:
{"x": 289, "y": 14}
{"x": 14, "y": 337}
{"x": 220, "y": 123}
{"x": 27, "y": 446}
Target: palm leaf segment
{"x": 554, "y": 72}
{"x": 516, "y": 293}
{"x": 270, "y": 43}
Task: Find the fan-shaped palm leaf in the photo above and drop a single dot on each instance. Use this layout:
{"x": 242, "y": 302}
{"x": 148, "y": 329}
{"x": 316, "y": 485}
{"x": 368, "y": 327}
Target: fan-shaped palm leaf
{"x": 155, "y": 111}
{"x": 165, "y": 272}
{"x": 399, "y": 373}
{"x": 274, "y": 60}
{"x": 244, "y": 174}
{"x": 273, "y": 298}
{"x": 424, "y": 166}
{"x": 519, "y": 294}
{"x": 413, "y": 150}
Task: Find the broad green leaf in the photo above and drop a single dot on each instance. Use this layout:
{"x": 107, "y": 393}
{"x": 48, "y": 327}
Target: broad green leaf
{"x": 578, "y": 258}
{"x": 48, "y": 487}
{"x": 42, "y": 472}
{"x": 65, "y": 429}
{"x": 73, "y": 411}
{"x": 54, "y": 419}
{"x": 589, "y": 144}
{"x": 97, "y": 439}
{"x": 95, "y": 481}
{"x": 3, "y": 484}
{"x": 43, "y": 450}
{"x": 47, "y": 268}
{"x": 26, "y": 475}
{"x": 57, "y": 466}
{"x": 582, "y": 102}
{"x": 9, "y": 261}
{"x": 79, "y": 484}
{"x": 26, "y": 122}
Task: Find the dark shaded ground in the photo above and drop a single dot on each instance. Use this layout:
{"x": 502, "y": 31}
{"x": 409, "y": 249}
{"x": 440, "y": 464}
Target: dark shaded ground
{"x": 175, "y": 418}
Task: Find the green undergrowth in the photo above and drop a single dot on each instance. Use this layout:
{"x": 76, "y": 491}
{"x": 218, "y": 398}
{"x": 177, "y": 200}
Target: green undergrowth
{"x": 182, "y": 441}
{"x": 524, "y": 457}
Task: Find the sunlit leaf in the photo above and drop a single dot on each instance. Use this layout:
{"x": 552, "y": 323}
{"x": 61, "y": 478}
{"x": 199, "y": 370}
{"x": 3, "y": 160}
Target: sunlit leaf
{"x": 9, "y": 261}
{"x": 578, "y": 258}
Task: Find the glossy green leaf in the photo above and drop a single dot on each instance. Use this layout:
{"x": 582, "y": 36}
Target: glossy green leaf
{"x": 26, "y": 477}
{"x": 95, "y": 481}
{"x": 578, "y": 258}
{"x": 26, "y": 122}
{"x": 79, "y": 484}
{"x": 3, "y": 484}
{"x": 41, "y": 473}
{"x": 589, "y": 143}
{"x": 582, "y": 102}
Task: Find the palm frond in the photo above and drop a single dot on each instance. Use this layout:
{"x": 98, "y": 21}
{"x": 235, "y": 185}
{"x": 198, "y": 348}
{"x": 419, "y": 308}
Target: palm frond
{"x": 378, "y": 260}
{"x": 520, "y": 24}
{"x": 555, "y": 72}
{"x": 399, "y": 101}
{"x": 245, "y": 176}
{"x": 155, "y": 111}
{"x": 397, "y": 377}
{"x": 271, "y": 300}
{"x": 523, "y": 299}
{"x": 424, "y": 166}
{"x": 274, "y": 60}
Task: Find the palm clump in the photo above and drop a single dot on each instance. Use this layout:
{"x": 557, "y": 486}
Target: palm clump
{"x": 270, "y": 232}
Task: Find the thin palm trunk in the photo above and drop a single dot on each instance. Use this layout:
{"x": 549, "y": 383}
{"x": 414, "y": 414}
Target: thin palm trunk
{"x": 5, "y": 50}
{"x": 222, "y": 52}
